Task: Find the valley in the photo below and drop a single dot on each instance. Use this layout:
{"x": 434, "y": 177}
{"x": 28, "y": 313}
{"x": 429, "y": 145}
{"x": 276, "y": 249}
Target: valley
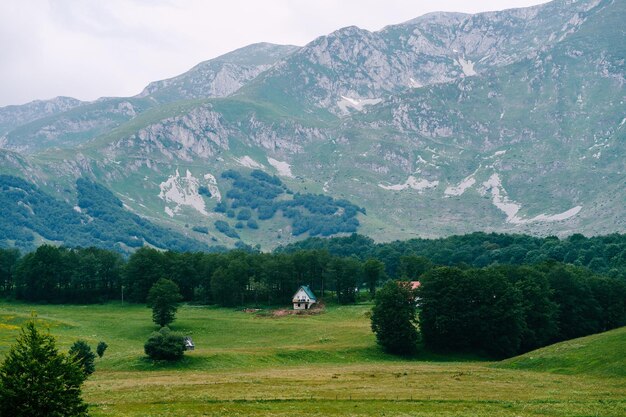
{"x": 248, "y": 364}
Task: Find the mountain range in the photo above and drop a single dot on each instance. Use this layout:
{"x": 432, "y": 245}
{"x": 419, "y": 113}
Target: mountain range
{"x": 508, "y": 121}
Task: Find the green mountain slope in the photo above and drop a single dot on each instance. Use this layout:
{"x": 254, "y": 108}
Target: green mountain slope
{"x": 30, "y": 216}
{"x": 598, "y": 355}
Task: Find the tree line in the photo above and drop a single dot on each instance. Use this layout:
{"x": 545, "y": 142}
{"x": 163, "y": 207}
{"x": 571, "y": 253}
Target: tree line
{"x": 62, "y": 275}
{"x": 337, "y": 265}
{"x": 504, "y": 310}
{"x": 601, "y": 254}
{"x": 500, "y": 309}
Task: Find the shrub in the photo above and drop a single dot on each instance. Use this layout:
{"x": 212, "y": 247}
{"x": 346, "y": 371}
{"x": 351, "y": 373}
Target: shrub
{"x": 101, "y": 348}
{"x": 225, "y": 228}
{"x": 165, "y": 345}
{"x": 244, "y": 214}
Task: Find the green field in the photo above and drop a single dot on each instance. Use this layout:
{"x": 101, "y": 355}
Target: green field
{"x": 247, "y": 364}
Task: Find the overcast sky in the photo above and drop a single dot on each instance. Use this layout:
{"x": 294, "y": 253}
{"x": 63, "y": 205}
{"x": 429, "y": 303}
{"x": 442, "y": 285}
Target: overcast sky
{"x": 92, "y": 48}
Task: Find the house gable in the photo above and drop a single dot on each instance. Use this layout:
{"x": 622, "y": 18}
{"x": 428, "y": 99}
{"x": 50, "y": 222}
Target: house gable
{"x": 304, "y": 294}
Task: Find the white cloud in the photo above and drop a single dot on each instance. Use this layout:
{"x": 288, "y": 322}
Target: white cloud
{"x": 92, "y": 48}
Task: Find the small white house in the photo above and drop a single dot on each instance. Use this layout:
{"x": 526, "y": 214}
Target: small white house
{"x": 304, "y": 298}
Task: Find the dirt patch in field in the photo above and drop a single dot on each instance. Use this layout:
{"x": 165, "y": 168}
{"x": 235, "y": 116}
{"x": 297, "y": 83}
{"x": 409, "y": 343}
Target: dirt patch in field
{"x": 282, "y": 312}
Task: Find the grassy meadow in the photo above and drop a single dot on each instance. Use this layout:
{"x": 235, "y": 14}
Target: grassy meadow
{"x": 255, "y": 364}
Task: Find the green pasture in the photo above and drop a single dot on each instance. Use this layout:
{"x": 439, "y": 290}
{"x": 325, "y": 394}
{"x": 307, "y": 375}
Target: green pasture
{"x": 257, "y": 364}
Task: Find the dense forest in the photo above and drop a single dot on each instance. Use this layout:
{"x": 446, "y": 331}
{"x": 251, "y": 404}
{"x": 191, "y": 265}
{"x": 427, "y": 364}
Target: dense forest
{"x": 601, "y": 254}
{"x": 99, "y": 219}
{"x": 504, "y": 310}
{"x": 492, "y": 293}
{"x": 258, "y": 194}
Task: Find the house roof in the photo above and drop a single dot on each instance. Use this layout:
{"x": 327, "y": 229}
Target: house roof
{"x": 308, "y": 292}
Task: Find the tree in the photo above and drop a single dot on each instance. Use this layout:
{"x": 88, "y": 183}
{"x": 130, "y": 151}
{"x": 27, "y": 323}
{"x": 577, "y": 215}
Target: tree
{"x": 101, "y": 348}
{"x": 374, "y": 272}
{"x": 8, "y": 261}
{"x": 37, "y": 380}
{"x": 165, "y": 345}
{"x": 84, "y": 356}
{"x": 393, "y": 318}
{"x": 163, "y": 298}
{"x": 412, "y": 267}
{"x": 477, "y": 310}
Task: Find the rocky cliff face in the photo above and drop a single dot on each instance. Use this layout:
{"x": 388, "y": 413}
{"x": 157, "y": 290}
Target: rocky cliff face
{"x": 14, "y": 116}
{"x": 219, "y": 77}
{"x": 353, "y": 68}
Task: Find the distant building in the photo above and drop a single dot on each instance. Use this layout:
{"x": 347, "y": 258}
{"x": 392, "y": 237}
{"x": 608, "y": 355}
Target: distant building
{"x": 189, "y": 343}
{"x": 304, "y": 298}
{"x": 414, "y": 286}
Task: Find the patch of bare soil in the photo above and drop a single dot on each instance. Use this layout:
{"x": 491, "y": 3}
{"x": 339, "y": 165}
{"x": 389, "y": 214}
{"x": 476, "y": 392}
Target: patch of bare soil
{"x": 317, "y": 308}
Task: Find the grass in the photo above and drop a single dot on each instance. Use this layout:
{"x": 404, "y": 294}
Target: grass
{"x": 323, "y": 365}
{"x": 602, "y": 355}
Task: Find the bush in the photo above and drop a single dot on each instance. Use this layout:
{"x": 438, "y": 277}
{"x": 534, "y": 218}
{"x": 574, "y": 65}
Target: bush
{"x": 244, "y": 214}
{"x": 201, "y": 229}
{"x": 204, "y": 190}
{"x": 165, "y": 345}
{"x": 225, "y": 228}
{"x": 101, "y": 348}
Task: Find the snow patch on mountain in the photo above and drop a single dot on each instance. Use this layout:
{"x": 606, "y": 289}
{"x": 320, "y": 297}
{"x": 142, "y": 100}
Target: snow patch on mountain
{"x": 461, "y": 188}
{"x": 500, "y": 199}
{"x": 182, "y": 191}
{"x": 467, "y": 66}
{"x": 495, "y": 155}
{"x": 248, "y": 162}
{"x": 414, "y": 84}
{"x": 211, "y": 184}
{"x": 283, "y": 168}
{"x": 356, "y": 103}
{"x": 411, "y": 182}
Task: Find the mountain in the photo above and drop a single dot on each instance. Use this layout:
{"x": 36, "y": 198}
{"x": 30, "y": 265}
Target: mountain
{"x": 66, "y": 122}
{"x": 509, "y": 121}
{"x": 221, "y": 76}
{"x": 14, "y": 116}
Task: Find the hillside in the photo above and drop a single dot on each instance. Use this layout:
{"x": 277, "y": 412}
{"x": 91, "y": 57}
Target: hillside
{"x": 598, "y": 355}
{"x": 509, "y": 121}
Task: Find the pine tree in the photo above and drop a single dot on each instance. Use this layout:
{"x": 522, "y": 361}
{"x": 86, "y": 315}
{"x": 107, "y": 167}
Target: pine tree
{"x": 84, "y": 356}
{"x": 37, "y": 380}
